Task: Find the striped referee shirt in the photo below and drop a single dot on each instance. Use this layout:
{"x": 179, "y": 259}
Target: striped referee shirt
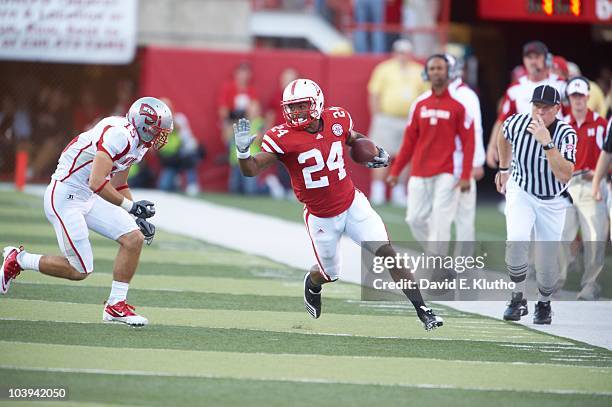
{"x": 530, "y": 167}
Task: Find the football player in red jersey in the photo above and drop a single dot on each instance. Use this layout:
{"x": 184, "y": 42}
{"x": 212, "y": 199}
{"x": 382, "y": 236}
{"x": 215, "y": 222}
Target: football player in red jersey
{"x": 311, "y": 144}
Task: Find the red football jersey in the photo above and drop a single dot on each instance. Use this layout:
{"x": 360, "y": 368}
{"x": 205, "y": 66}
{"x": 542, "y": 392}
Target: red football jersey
{"x": 315, "y": 162}
{"x": 590, "y": 139}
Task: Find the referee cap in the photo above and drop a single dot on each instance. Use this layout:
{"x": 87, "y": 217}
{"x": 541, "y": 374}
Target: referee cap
{"x": 546, "y": 94}
{"x": 578, "y": 85}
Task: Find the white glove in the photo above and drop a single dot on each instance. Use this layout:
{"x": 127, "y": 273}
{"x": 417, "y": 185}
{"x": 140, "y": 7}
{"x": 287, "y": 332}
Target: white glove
{"x": 243, "y": 138}
{"x": 381, "y": 160}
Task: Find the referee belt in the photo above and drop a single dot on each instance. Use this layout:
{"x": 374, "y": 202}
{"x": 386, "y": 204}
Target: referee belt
{"x": 563, "y": 194}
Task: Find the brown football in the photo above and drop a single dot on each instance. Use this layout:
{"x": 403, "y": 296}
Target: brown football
{"x": 363, "y": 150}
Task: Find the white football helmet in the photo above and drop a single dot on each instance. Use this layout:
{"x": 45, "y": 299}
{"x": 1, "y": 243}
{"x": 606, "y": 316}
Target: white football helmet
{"x": 299, "y": 91}
{"x": 152, "y": 119}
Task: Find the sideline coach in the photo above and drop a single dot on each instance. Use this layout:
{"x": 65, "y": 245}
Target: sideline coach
{"x": 542, "y": 150}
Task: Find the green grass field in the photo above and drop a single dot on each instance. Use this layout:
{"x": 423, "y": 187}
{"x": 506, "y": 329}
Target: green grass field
{"x": 230, "y": 329}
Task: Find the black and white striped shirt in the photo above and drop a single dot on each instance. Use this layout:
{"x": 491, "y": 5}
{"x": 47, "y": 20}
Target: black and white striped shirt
{"x": 530, "y": 167}
{"x": 607, "y": 144}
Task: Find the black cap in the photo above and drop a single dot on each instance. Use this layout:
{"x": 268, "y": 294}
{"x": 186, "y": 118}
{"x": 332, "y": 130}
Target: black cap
{"x": 537, "y": 47}
{"x": 546, "y": 94}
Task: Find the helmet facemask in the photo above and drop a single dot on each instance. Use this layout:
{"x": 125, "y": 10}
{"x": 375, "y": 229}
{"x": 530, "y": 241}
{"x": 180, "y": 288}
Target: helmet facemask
{"x": 299, "y": 118}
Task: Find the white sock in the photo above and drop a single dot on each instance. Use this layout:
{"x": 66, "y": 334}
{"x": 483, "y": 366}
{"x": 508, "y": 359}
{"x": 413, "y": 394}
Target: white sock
{"x": 118, "y": 292}
{"x": 377, "y": 192}
{"x": 29, "y": 261}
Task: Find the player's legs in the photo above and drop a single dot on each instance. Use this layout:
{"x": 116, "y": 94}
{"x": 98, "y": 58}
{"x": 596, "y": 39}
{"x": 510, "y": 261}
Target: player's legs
{"x": 64, "y": 207}
{"x": 325, "y": 236}
{"x": 444, "y": 207}
{"x": 591, "y": 213}
{"x": 419, "y": 207}
{"x": 114, "y": 223}
{"x": 465, "y": 217}
{"x": 366, "y": 228}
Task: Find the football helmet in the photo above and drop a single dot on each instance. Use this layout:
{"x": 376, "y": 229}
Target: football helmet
{"x": 299, "y": 91}
{"x": 152, "y": 120}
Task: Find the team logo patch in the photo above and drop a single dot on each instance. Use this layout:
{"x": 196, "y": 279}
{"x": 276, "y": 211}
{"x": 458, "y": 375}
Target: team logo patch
{"x": 337, "y": 129}
{"x": 569, "y": 147}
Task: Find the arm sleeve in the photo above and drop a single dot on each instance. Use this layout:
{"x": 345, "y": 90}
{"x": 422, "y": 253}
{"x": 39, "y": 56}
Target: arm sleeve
{"x": 473, "y": 108}
{"x": 114, "y": 141}
{"x": 507, "y": 131}
{"x": 568, "y": 144}
{"x": 411, "y": 136}
{"x": 465, "y": 125}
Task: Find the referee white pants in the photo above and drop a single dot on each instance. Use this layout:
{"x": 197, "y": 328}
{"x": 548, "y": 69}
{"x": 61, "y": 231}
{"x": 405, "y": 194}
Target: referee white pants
{"x": 524, "y": 213}
{"x": 432, "y": 203}
{"x": 590, "y": 216}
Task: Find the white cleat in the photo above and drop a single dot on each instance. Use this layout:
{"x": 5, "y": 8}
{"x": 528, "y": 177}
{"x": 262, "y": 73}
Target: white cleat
{"x": 123, "y": 312}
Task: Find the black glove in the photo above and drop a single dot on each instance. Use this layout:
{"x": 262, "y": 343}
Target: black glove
{"x": 147, "y": 229}
{"x": 381, "y": 160}
{"x": 143, "y": 209}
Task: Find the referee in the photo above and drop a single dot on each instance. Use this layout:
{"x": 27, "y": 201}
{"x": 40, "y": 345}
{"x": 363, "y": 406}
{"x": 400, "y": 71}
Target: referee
{"x": 542, "y": 151}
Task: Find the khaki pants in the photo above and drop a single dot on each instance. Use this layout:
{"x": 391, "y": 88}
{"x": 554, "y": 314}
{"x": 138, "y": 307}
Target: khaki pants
{"x": 591, "y": 217}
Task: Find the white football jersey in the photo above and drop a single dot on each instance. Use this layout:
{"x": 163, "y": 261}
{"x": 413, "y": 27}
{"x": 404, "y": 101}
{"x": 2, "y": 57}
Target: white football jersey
{"x": 113, "y": 135}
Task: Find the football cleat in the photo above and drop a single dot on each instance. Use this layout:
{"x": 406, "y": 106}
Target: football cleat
{"x": 542, "y": 314}
{"x": 516, "y": 308}
{"x": 428, "y": 318}
{"x": 312, "y": 300}
{"x": 123, "y": 312}
{"x": 10, "y": 268}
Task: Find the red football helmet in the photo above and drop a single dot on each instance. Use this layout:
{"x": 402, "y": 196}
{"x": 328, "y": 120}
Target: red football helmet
{"x": 297, "y": 92}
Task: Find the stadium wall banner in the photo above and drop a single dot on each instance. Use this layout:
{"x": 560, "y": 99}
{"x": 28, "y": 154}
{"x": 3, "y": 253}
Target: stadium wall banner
{"x": 75, "y": 31}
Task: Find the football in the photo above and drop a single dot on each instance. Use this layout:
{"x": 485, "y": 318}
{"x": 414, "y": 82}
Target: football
{"x": 363, "y": 150}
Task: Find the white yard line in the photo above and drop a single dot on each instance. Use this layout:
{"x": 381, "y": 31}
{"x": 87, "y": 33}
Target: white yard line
{"x": 287, "y": 242}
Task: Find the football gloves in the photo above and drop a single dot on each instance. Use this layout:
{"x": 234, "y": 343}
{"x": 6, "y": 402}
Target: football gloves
{"x": 242, "y": 135}
{"x": 147, "y": 229}
{"x": 143, "y": 209}
{"x": 381, "y": 160}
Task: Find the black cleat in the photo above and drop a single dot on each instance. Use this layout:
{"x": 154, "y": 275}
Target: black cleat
{"x": 428, "y": 318}
{"x": 517, "y": 308}
{"x": 542, "y": 314}
{"x": 312, "y": 300}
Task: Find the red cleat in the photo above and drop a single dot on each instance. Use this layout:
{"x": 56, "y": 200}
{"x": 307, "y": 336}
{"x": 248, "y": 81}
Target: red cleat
{"x": 123, "y": 312}
{"x": 10, "y": 268}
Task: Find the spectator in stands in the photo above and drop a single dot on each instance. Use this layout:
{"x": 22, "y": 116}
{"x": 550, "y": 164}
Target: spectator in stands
{"x": 394, "y": 85}
{"x": 422, "y": 15}
{"x": 181, "y": 154}
{"x": 235, "y": 97}
{"x": 87, "y": 112}
{"x": 51, "y": 130}
{"x": 15, "y": 129}
{"x": 238, "y": 183}
{"x": 372, "y": 39}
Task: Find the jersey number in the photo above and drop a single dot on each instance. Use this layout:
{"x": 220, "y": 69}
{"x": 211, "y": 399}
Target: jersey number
{"x": 334, "y": 162}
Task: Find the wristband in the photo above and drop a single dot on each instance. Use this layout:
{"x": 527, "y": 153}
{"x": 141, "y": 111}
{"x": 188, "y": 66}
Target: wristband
{"x": 503, "y": 170}
{"x": 243, "y": 156}
{"x": 126, "y": 204}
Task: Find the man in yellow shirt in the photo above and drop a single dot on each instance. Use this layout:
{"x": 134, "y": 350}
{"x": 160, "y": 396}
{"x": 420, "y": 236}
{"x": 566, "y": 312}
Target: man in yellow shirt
{"x": 394, "y": 85}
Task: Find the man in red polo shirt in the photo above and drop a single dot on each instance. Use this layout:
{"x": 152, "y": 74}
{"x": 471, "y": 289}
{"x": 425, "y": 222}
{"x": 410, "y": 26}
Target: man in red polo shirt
{"x": 434, "y": 121}
{"x": 586, "y": 214}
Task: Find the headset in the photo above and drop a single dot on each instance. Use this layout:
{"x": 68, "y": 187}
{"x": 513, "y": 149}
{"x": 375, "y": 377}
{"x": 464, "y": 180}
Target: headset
{"x": 449, "y": 66}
